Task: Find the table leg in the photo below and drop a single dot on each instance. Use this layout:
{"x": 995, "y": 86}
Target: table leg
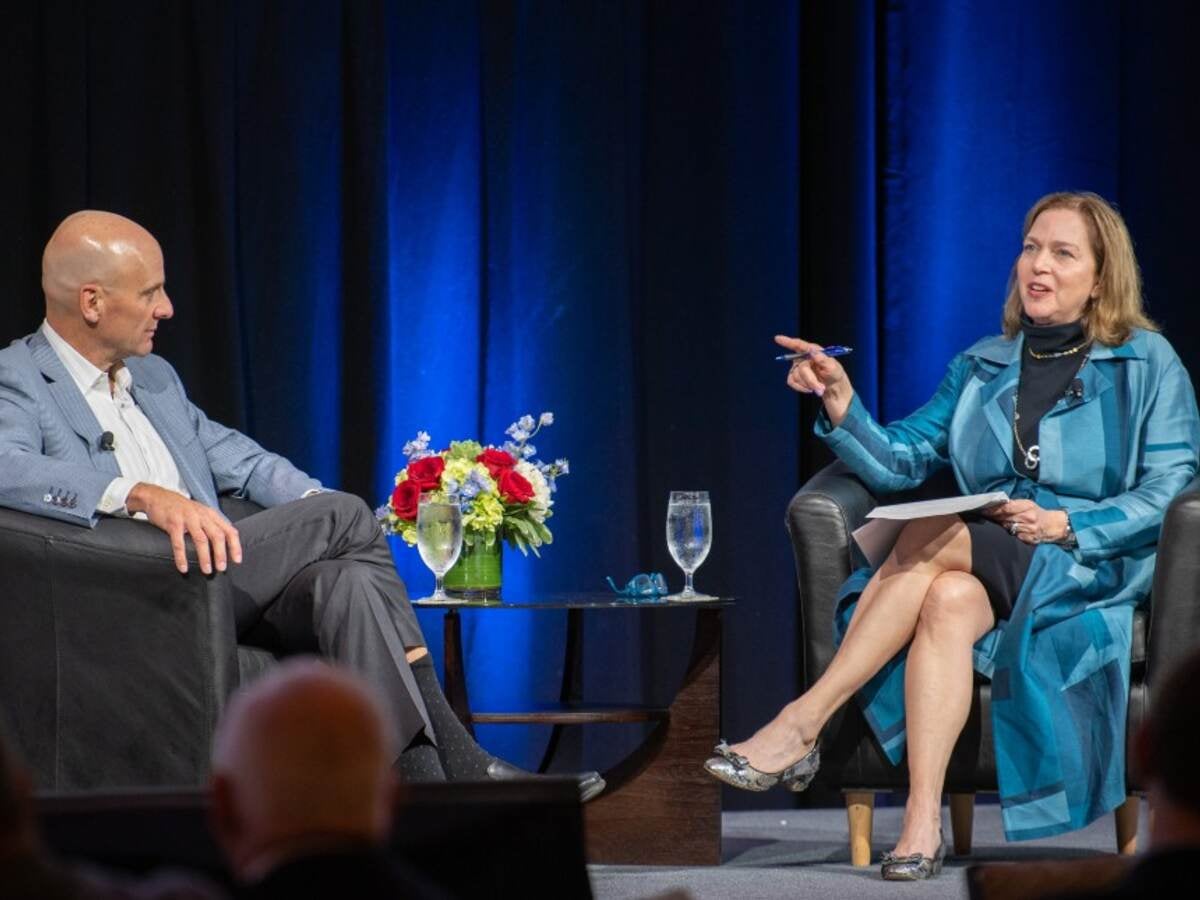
{"x": 452, "y": 659}
{"x": 572, "y": 680}
{"x": 661, "y": 807}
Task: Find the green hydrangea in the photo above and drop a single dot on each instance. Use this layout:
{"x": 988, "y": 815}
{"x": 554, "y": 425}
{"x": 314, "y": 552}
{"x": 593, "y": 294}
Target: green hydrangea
{"x": 487, "y": 512}
{"x": 467, "y": 450}
{"x": 459, "y": 468}
{"x": 407, "y": 531}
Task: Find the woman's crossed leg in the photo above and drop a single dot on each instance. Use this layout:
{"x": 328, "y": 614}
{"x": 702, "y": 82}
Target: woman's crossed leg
{"x": 923, "y": 595}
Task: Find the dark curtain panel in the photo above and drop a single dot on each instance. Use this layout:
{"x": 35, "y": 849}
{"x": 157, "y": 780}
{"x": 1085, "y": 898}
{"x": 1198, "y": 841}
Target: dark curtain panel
{"x": 380, "y": 217}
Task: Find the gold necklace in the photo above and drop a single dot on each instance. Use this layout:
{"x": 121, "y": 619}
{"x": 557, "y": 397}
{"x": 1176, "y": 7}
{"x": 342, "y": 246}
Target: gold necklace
{"x": 1058, "y": 354}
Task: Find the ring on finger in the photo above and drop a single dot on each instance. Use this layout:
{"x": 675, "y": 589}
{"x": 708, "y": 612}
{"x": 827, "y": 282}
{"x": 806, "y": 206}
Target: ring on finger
{"x": 1013, "y": 528}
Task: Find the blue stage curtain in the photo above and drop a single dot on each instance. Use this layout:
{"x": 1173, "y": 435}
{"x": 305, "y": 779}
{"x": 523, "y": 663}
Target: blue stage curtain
{"x": 382, "y": 216}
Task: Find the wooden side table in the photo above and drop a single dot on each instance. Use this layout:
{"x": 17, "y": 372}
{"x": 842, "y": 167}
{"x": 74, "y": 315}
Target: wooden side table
{"x": 660, "y": 807}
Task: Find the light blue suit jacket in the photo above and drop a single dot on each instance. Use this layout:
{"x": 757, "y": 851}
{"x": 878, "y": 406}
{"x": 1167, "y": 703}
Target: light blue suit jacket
{"x": 1113, "y": 459}
{"x": 51, "y": 463}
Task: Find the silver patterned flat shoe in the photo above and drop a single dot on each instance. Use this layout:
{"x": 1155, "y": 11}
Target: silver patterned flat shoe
{"x": 733, "y": 768}
{"x": 914, "y": 867}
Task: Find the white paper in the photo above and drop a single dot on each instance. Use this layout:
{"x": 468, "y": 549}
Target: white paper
{"x": 877, "y": 537}
{"x": 943, "y": 506}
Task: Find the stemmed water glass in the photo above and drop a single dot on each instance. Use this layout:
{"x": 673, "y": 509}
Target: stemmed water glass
{"x": 689, "y": 536}
{"x": 439, "y": 539}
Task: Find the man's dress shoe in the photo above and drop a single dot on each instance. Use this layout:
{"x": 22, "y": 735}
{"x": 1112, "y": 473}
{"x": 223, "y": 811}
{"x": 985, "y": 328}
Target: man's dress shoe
{"x": 590, "y": 783}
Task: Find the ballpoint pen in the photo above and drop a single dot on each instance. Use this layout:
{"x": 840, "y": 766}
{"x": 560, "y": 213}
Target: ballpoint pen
{"x": 831, "y": 350}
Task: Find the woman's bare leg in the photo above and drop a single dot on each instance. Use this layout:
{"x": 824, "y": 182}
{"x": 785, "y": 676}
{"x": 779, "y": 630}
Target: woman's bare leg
{"x": 884, "y": 622}
{"x": 937, "y": 697}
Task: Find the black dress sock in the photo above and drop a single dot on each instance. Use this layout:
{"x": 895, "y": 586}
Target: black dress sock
{"x": 462, "y": 758}
{"x": 419, "y": 761}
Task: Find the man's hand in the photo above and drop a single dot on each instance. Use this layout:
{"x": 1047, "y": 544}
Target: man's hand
{"x": 215, "y": 538}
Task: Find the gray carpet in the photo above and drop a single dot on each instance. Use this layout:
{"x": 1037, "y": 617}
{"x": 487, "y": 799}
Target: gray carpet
{"x": 803, "y": 853}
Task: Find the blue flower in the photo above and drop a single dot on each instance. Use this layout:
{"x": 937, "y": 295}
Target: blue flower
{"x": 418, "y": 448}
{"x": 472, "y": 486}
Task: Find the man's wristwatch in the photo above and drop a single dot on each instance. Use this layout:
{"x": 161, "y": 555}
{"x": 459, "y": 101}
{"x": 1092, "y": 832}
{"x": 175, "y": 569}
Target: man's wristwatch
{"x": 1068, "y": 540}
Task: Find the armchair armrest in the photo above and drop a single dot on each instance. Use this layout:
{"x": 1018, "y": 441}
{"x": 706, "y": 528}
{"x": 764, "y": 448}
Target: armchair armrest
{"x": 1175, "y": 599}
{"x": 113, "y": 666}
{"x": 820, "y": 519}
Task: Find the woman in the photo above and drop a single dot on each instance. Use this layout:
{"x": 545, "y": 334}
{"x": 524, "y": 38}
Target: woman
{"x": 1082, "y": 413}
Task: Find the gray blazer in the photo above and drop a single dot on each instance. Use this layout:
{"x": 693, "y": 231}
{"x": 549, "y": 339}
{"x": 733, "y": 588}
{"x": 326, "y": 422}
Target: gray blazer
{"x": 51, "y": 463}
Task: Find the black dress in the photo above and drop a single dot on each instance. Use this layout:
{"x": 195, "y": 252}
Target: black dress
{"x": 999, "y": 559}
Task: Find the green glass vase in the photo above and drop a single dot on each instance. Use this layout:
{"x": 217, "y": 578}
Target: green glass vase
{"x": 477, "y": 574}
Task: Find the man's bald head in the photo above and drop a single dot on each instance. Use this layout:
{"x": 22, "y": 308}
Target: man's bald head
{"x": 104, "y": 281}
{"x": 304, "y": 753}
{"x": 89, "y": 246}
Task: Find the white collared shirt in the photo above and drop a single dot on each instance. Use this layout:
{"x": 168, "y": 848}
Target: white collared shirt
{"x": 140, "y": 451}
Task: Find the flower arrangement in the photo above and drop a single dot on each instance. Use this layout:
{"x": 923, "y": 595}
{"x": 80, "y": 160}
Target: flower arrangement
{"x": 505, "y": 492}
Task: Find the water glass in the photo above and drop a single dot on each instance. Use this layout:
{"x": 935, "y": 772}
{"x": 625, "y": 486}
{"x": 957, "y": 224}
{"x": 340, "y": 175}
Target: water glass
{"x": 439, "y": 539}
{"x": 689, "y": 536}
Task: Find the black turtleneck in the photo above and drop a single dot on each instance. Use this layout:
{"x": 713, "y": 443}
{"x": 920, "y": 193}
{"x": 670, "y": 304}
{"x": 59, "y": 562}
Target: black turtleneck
{"x": 1044, "y": 381}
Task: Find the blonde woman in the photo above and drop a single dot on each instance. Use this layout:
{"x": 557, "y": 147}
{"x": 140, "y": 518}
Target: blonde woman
{"x": 1082, "y": 413}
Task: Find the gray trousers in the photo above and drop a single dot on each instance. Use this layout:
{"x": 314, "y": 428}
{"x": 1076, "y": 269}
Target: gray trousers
{"x": 317, "y": 577}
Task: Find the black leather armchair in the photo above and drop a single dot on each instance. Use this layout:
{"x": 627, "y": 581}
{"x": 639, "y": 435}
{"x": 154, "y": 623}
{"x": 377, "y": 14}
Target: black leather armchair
{"x": 113, "y": 666}
{"x": 820, "y": 519}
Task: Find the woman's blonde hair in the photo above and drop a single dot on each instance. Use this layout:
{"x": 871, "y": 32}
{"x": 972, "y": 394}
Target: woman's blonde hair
{"x": 1110, "y": 316}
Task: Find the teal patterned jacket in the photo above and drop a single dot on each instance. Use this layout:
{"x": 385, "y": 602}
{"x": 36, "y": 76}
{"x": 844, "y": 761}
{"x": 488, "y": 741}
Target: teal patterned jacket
{"x": 1059, "y": 667}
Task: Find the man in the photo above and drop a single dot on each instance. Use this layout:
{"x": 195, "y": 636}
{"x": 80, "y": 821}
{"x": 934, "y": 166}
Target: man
{"x": 93, "y": 424}
{"x": 302, "y": 792}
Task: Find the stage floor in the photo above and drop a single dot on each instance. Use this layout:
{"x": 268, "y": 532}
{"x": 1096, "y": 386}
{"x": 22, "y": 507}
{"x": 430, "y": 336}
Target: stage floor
{"x": 803, "y": 853}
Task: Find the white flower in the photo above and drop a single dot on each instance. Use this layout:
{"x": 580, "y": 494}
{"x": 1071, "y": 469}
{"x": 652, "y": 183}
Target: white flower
{"x": 526, "y": 423}
{"x": 541, "y": 490}
{"x": 546, "y": 418}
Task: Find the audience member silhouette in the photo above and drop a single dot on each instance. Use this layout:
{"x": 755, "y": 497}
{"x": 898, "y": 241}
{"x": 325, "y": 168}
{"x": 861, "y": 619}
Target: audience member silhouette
{"x": 303, "y": 790}
{"x": 27, "y": 870}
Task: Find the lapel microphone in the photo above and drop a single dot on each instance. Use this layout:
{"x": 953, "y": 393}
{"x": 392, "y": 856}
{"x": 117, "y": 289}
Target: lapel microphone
{"x": 107, "y": 441}
{"x": 1075, "y": 391}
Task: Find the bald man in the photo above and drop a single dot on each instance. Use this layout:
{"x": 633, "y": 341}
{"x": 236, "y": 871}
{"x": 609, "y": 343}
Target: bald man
{"x": 93, "y": 424}
{"x": 302, "y": 789}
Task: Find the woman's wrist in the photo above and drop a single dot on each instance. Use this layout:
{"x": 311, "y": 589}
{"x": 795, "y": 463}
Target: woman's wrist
{"x": 837, "y": 402}
{"x": 1060, "y": 531}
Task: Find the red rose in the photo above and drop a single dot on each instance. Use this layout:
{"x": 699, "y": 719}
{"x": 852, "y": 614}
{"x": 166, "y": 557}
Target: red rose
{"x": 404, "y": 500}
{"x": 514, "y": 487}
{"x": 496, "y": 461}
{"x": 427, "y": 472}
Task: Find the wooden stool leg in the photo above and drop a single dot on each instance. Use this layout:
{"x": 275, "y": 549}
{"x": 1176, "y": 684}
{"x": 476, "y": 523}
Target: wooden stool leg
{"x": 962, "y": 818}
{"x": 859, "y": 807}
{"x": 1126, "y": 819}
